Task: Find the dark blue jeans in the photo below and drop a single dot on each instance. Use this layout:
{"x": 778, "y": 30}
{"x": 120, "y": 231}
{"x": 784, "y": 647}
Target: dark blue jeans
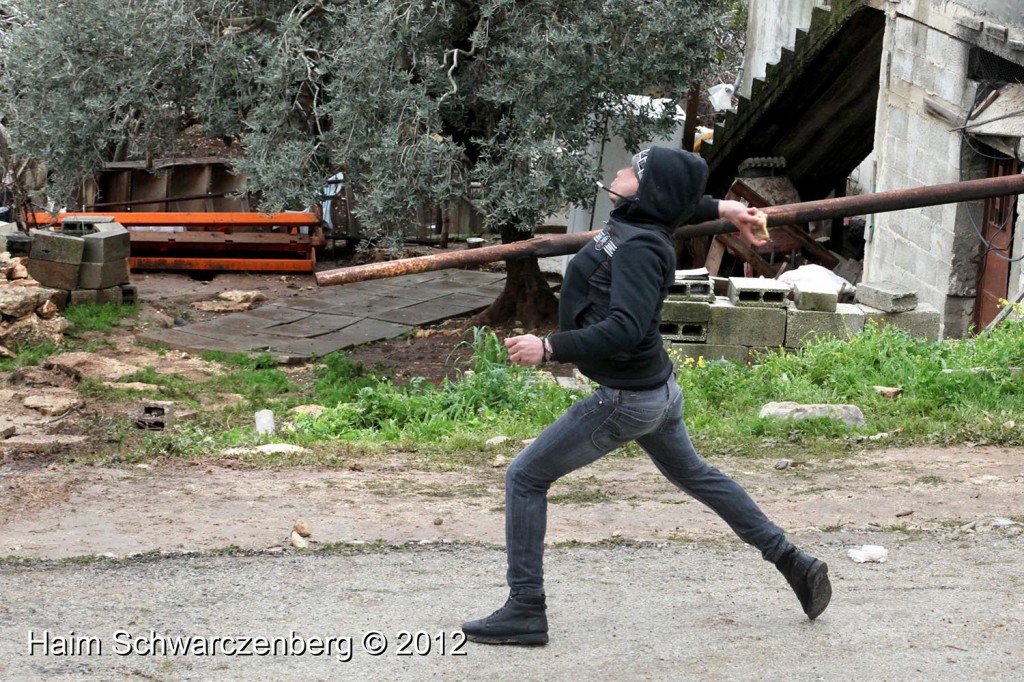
{"x": 593, "y": 427}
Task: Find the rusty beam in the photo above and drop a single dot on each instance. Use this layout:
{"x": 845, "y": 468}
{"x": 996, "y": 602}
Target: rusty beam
{"x": 866, "y": 204}
{"x": 561, "y": 245}
{"x": 538, "y": 247}
{"x": 207, "y": 264}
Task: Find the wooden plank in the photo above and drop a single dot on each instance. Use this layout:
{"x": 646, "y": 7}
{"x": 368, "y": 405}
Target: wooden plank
{"x": 820, "y": 253}
{"x": 747, "y": 253}
{"x": 714, "y": 259}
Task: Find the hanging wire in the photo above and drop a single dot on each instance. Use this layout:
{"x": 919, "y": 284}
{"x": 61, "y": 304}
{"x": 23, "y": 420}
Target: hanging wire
{"x": 965, "y": 142}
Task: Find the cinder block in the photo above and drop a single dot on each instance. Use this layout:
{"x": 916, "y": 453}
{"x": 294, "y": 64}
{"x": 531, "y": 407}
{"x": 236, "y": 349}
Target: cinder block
{"x": 758, "y": 291}
{"x": 692, "y": 290}
{"x": 111, "y": 295}
{"x": 694, "y": 332}
{"x": 81, "y": 225}
{"x": 129, "y": 293}
{"x": 80, "y": 296}
{"x": 679, "y": 351}
{"x": 842, "y": 324}
{"x": 56, "y": 247}
{"x": 155, "y": 415}
{"x": 745, "y": 325}
{"x": 820, "y": 298}
{"x": 685, "y": 321}
{"x": 890, "y": 297}
{"x": 108, "y": 246}
{"x": 103, "y": 275}
{"x": 686, "y": 311}
{"x": 924, "y": 322}
{"x": 53, "y": 274}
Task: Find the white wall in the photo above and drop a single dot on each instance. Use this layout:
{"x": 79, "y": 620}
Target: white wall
{"x": 771, "y": 25}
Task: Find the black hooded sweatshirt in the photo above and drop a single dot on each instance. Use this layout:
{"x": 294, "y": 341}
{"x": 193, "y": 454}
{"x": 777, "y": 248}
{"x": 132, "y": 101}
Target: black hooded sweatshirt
{"x": 612, "y": 294}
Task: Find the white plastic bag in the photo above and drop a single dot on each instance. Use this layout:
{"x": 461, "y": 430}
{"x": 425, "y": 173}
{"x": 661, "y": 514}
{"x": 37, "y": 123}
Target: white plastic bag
{"x": 869, "y": 553}
{"x": 817, "y": 275}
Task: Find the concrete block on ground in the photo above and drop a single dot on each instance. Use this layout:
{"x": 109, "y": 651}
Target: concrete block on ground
{"x": 83, "y": 296}
{"x": 758, "y": 291}
{"x": 56, "y": 247}
{"x": 107, "y": 246}
{"x": 109, "y": 295}
{"x": 155, "y": 415}
{"x": 129, "y": 293}
{"x": 809, "y": 296}
{"x": 679, "y": 351}
{"x": 842, "y": 324}
{"x": 103, "y": 275}
{"x": 924, "y": 322}
{"x": 890, "y": 297}
{"x": 733, "y": 325}
{"x": 53, "y": 274}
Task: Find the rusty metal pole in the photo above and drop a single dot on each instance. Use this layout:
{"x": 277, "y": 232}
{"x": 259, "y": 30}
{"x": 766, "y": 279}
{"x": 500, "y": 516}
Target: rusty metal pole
{"x": 864, "y": 204}
{"x": 538, "y": 247}
{"x": 787, "y": 214}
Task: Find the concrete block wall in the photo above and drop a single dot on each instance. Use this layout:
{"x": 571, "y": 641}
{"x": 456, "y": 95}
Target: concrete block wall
{"x": 725, "y": 330}
{"x": 932, "y": 249}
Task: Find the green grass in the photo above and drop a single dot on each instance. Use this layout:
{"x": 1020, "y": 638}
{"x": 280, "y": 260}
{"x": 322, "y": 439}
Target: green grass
{"x": 84, "y": 318}
{"x": 723, "y": 399}
{"x": 100, "y": 317}
{"x": 954, "y": 392}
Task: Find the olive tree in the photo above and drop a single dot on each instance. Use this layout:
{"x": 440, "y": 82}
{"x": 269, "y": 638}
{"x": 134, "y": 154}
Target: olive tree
{"x": 419, "y": 103}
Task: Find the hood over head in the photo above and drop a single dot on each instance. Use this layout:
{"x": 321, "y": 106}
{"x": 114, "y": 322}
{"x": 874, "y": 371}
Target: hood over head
{"x": 671, "y": 185}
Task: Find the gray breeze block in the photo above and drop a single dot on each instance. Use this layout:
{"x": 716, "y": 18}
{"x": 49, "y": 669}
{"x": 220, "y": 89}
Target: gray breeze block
{"x": 890, "y": 297}
{"x": 924, "y": 322}
{"x": 679, "y": 351}
{"x": 758, "y": 327}
{"x": 758, "y": 291}
{"x": 53, "y": 274}
{"x": 107, "y": 246}
{"x": 56, "y": 247}
{"x": 103, "y": 275}
{"x": 845, "y": 322}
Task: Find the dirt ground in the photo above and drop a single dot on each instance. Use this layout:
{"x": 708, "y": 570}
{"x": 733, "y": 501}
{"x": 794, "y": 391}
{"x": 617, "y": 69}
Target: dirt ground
{"x": 202, "y": 547}
{"x": 52, "y": 507}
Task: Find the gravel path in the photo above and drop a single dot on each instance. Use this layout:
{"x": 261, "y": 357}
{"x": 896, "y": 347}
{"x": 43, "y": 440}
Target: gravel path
{"x": 947, "y": 604}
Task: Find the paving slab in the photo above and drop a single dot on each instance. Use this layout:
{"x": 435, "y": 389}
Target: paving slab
{"x": 432, "y": 311}
{"x": 181, "y": 339}
{"x": 363, "y": 331}
{"x": 300, "y": 328}
{"x": 241, "y": 324}
{"x": 315, "y": 325}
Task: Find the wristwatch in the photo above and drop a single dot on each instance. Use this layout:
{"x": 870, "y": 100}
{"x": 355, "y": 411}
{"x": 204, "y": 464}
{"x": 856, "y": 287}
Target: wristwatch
{"x": 547, "y": 349}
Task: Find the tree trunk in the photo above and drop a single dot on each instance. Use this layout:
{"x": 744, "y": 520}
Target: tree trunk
{"x": 526, "y": 299}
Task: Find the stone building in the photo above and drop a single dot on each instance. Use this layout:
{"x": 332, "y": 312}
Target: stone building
{"x": 899, "y": 94}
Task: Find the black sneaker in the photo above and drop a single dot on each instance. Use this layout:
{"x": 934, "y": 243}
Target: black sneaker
{"x": 809, "y": 579}
{"x": 520, "y": 621}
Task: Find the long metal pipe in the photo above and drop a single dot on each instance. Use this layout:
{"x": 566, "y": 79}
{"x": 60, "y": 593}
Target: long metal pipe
{"x": 787, "y": 214}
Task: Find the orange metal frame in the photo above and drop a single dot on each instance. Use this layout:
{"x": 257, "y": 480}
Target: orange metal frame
{"x": 215, "y": 241}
